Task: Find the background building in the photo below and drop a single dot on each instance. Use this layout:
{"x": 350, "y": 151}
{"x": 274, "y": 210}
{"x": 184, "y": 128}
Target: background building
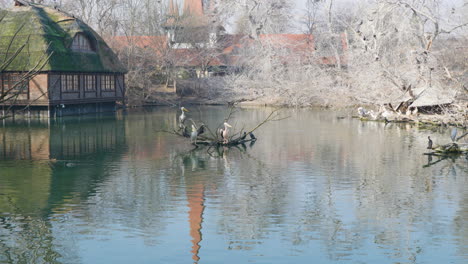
{"x": 53, "y": 64}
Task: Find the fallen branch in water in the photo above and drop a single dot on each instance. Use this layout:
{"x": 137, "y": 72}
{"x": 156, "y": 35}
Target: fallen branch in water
{"x": 215, "y": 138}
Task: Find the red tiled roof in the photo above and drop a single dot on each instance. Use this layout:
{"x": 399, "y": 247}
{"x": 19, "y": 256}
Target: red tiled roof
{"x": 297, "y": 47}
{"x": 152, "y": 42}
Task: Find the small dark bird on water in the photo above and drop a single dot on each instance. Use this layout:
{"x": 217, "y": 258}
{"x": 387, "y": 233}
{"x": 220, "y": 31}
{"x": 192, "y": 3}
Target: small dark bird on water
{"x": 429, "y": 142}
{"x": 252, "y": 136}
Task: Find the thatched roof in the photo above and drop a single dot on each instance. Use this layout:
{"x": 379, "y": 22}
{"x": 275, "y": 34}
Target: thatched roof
{"x": 431, "y": 96}
{"x": 45, "y": 32}
{"x": 425, "y": 96}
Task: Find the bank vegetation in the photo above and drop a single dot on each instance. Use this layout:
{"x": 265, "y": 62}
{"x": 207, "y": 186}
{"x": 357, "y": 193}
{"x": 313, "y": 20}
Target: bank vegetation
{"x": 383, "y": 53}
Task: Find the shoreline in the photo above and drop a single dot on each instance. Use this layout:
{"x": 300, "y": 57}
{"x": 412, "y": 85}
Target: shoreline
{"x": 420, "y": 119}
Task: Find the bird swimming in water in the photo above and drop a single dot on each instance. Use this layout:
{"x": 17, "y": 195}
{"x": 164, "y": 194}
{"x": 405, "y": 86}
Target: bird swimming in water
{"x": 429, "y": 142}
{"x": 182, "y": 117}
{"x": 225, "y": 132}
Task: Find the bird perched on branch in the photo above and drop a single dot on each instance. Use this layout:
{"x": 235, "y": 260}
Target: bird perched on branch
{"x": 244, "y": 135}
{"x": 429, "y": 142}
{"x": 224, "y": 132}
{"x": 453, "y": 136}
{"x": 196, "y": 132}
{"x": 182, "y": 117}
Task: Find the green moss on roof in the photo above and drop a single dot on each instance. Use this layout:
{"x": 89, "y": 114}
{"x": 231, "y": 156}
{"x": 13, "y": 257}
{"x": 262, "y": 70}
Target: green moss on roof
{"x": 48, "y": 32}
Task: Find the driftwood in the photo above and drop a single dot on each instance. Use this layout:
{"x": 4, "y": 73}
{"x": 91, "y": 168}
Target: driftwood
{"x": 450, "y": 151}
{"x": 384, "y": 114}
{"x": 451, "y": 148}
{"x": 214, "y": 139}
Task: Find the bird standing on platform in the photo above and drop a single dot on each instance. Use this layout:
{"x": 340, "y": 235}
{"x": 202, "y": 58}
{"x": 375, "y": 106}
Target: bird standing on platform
{"x": 182, "y": 117}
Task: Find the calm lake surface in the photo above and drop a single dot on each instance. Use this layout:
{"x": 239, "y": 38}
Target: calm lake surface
{"x": 313, "y": 189}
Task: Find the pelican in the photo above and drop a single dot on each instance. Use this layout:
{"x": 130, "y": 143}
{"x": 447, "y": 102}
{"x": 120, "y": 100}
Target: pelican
{"x": 362, "y": 112}
{"x": 366, "y": 113}
{"x": 182, "y": 117}
{"x": 372, "y": 115}
{"x": 453, "y": 136}
{"x": 225, "y": 132}
{"x": 429, "y": 142}
{"x": 196, "y": 132}
{"x": 384, "y": 112}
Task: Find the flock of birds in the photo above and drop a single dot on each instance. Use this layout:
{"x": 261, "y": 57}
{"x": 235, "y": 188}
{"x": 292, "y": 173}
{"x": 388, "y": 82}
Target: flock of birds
{"x": 385, "y": 113}
{"x": 223, "y": 132}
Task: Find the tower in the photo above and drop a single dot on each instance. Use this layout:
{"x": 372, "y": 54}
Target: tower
{"x": 193, "y": 8}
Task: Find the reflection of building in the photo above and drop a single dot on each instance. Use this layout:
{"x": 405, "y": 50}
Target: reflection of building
{"x": 18, "y": 143}
{"x": 45, "y": 171}
{"x": 61, "y": 140}
{"x": 196, "y": 185}
{"x": 49, "y": 154}
{"x": 196, "y": 200}
{"x": 56, "y": 64}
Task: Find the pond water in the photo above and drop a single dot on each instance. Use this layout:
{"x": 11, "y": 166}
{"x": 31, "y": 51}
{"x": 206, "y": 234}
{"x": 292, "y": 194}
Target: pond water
{"x": 314, "y": 188}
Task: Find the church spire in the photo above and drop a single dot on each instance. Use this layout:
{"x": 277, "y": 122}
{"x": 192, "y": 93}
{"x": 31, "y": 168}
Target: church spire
{"x": 173, "y": 9}
{"x": 193, "y": 7}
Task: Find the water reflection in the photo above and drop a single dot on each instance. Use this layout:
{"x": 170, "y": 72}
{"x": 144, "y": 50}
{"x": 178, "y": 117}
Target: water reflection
{"x": 112, "y": 190}
{"x": 45, "y": 171}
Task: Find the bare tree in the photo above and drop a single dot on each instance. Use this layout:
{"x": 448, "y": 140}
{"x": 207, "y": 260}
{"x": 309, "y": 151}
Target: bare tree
{"x": 13, "y": 86}
{"x": 310, "y": 16}
{"x": 395, "y": 39}
{"x": 270, "y": 16}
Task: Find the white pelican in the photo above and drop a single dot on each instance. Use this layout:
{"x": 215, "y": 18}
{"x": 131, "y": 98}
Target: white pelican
{"x": 372, "y": 115}
{"x": 182, "y": 117}
{"x": 362, "y": 112}
{"x": 225, "y": 132}
{"x": 385, "y": 113}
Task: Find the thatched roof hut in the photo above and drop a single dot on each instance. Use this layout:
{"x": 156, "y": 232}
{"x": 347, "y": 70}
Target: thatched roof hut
{"x": 53, "y": 62}
{"x": 46, "y": 31}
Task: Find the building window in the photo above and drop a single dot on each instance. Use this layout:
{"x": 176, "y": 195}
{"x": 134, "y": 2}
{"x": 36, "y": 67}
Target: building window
{"x": 108, "y": 83}
{"x": 12, "y": 84}
{"x": 70, "y": 83}
{"x": 81, "y": 43}
{"x": 89, "y": 83}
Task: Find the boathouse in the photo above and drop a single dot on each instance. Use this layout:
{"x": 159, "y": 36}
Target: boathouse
{"x": 53, "y": 64}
